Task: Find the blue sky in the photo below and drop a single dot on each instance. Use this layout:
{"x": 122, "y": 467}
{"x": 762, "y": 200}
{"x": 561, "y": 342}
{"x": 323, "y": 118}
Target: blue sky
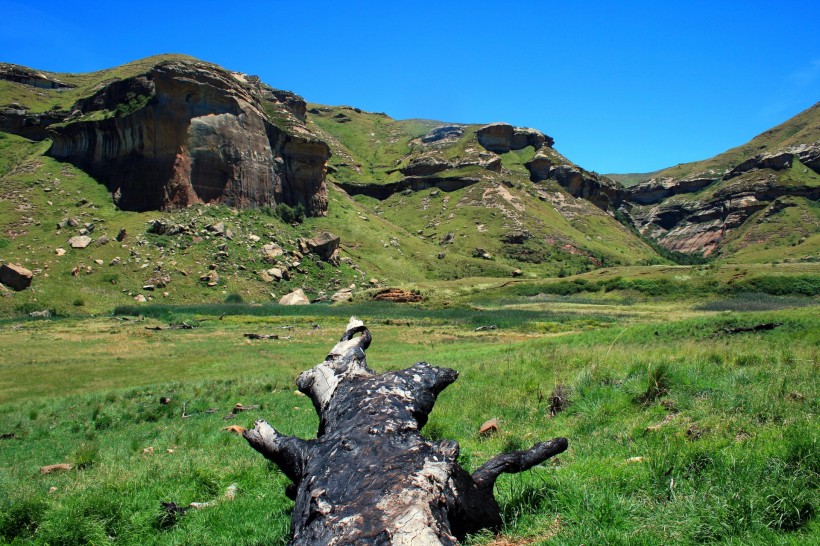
{"x": 621, "y": 86}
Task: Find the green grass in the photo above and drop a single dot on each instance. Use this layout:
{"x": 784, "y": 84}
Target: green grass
{"x": 677, "y": 435}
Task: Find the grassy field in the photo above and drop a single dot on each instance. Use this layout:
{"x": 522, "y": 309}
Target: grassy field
{"x": 679, "y": 432}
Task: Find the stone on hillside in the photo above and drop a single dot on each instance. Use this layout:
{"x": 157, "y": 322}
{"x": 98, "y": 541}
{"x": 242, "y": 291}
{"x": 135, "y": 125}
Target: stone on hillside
{"x": 254, "y": 238}
{"x": 103, "y": 240}
{"x": 345, "y": 294}
{"x": 278, "y": 273}
{"x": 324, "y": 245}
{"x": 448, "y": 239}
{"x": 218, "y": 228}
{"x": 15, "y": 276}
{"x": 502, "y": 137}
{"x": 139, "y": 298}
{"x": 264, "y": 276}
{"x": 297, "y": 297}
{"x": 272, "y": 250}
{"x": 517, "y": 273}
{"x": 121, "y": 235}
{"x": 79, "y": 241}
{"x": 59, "y": 251}
{"x": 45, "y": 313}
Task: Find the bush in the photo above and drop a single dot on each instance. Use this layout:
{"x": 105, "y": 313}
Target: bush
{"x": 290, "y": 215}
{"x": 234, "y": 298}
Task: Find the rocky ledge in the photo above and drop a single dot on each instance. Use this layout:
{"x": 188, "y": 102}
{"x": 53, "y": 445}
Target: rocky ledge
{"x": 187, "y": 132}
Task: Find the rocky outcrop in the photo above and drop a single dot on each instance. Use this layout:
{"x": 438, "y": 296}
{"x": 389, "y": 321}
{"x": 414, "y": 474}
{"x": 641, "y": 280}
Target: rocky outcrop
{"x": 656, "y": 190}
{"x": 443, "y": 134}
{"x": 27, "y": 76}
{"x": 17, "y": 120}
{"x": 808, "y": 154}
{"x": 500, "y": 138}
{"x": 598, "y": 190}
{"x": 425, "y": 166}
{"x": 413, "y": 183}
{"x": 188, "y": 132}
{"x": 539, "y": 166}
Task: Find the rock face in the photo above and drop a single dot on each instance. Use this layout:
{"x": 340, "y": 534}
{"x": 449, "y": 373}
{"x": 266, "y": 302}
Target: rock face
{"x": 187, "y": 132}
{"x": 15, "y": 276}
{"x": 502, "y": 137}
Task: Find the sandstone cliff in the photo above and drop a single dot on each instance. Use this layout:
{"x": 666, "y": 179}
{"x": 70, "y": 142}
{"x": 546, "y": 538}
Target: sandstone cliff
{"x": 188, "y": 132}
{"x": 698, "y": 212}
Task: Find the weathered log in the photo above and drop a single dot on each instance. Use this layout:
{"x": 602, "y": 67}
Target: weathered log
{"x": 370, "y": 477}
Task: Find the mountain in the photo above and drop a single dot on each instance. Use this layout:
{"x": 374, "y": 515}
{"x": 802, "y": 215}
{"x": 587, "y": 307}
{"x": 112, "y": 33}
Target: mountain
{"x": 174, "y": 179}
{"x": 754, "y": 203}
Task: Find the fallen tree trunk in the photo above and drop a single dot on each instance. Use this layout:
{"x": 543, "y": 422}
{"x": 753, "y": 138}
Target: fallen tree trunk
{"x": 370, "y": 477}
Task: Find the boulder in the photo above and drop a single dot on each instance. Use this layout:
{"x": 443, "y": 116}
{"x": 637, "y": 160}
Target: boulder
{"x": 15, "y": 276}
{"x": 324, "y": 245}
{"x": 79, "y": 241}
{"x": 297, "y": 297}
{"x": 343, "y": 295}
{"x": 272, "y": 250}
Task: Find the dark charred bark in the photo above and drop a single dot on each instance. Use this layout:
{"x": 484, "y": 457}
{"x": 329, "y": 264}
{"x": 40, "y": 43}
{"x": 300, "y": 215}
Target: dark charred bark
{"x": 370, "y": 477}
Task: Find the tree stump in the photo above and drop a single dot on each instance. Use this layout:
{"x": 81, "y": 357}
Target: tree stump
{"x": 370, "y": 477}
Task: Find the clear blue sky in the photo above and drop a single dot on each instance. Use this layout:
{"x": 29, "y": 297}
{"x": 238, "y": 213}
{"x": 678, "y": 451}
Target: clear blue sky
{"x": 622, "y": 86}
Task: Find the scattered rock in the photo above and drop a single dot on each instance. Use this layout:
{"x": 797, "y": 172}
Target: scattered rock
{"x": 116, "y": 261}
{"x": 45, "y": 313}
{"x": 297, "y": 297}
{"x": 61, "y": 467}
{"x": 272, "y": 250}
{"x": 211, "y": 278}
{"x": 517, "y": 273}
{"x": 121, "y": 235}
{"x": 148, "y": 450}
{"x": 79, "y": 241}
{"x": 448, "y": 239}
{"x": 15, "y": 276}
{"x": 59, "y": 251}
{"x": 264, "y": 276}
{"x": 489, "y": 428}
{"x": 139, "y": 298}
{"x": 103, "y": 240}
{"x": 236, "y": 429}
{"x": 483, "y": 254}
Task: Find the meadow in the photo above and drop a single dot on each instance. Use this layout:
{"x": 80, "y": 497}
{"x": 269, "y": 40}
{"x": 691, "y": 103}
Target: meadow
{"x": 680, "y": 431}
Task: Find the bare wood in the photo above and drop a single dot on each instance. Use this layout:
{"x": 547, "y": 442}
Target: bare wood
{"x": 370, "y": 477}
